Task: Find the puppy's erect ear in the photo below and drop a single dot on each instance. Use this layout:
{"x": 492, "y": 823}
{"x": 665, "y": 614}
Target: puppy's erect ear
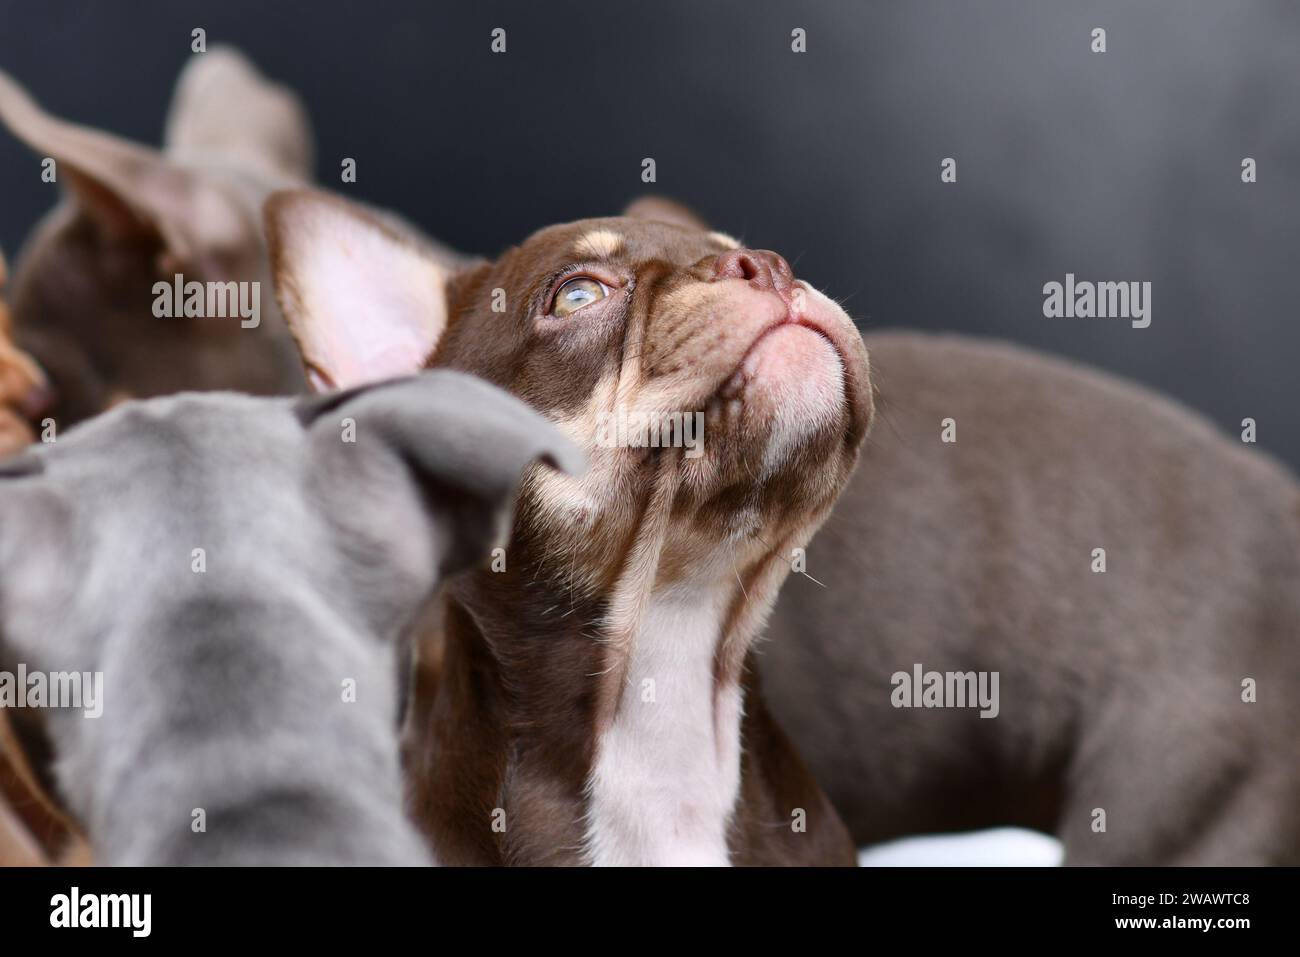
{"x": 659, "y": 209}
{"x": 364, "y": 302}
{"x": 125, "y": 188}
{"x": 224, "y": 108}
{"x": 468, "y": 444}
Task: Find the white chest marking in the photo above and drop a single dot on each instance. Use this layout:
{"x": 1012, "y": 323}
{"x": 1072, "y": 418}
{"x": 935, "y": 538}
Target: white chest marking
{"x": 667, "y": 771}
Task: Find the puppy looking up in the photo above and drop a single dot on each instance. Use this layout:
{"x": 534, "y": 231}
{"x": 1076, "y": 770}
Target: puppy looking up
{"x": 593, "y": 690}
{"x": 241, "y": 570}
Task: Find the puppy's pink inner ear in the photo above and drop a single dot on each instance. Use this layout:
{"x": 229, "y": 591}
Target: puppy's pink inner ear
{"x": 363, "y": 303}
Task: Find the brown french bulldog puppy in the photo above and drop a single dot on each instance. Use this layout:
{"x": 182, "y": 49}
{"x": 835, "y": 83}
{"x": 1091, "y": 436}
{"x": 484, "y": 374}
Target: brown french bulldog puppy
{"x": 1148, "y": 713}
{"x": 595, "y": 698}
{"x": 85, "y": 296}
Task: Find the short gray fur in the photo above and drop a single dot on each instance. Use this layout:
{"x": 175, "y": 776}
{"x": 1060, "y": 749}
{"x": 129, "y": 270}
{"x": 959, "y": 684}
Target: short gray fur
{"x": 223, "y": 690}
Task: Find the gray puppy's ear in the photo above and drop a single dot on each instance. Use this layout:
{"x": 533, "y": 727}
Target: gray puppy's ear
{"x": 467, "y": 443}
{"x": 22, "y": 465}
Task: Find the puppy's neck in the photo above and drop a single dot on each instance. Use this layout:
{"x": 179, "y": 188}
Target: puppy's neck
{"x": 594, "y": 728}
{"x": 666, "y": 772}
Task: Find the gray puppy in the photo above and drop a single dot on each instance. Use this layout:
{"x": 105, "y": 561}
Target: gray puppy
{"x": 241, "y": 571}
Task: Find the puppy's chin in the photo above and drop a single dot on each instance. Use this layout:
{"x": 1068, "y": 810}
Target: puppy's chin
{"x": 788, "y": 390}
{"x": 797, "y": 397}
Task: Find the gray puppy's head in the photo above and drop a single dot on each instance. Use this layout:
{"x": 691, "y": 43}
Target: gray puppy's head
{"x": 357, "y": 501}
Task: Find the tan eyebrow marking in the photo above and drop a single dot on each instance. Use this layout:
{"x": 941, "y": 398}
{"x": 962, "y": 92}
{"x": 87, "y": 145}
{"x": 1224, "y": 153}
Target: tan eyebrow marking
{"x": 599, "y": 244}
{"x": 723, "y": 239}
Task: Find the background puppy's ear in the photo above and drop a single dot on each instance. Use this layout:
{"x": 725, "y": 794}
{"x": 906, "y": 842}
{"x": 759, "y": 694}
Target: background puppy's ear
{"x": 224, "y": 108}
{"x": 466, "y": 442}
{"x": 364, "y": 302}
{"x": 660, "y": 209}
{"x": 126, "y": 189}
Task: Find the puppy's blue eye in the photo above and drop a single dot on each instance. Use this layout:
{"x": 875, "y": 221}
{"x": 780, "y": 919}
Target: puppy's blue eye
{"x": 575, "y": 293}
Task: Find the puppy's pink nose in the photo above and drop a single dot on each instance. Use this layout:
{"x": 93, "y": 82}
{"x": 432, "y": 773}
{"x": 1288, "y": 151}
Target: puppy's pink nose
{"x": 759, "y": 267}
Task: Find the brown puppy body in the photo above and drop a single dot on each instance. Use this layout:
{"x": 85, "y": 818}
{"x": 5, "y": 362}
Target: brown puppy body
{"x": 593, "y": 684}
{"x": 1120, "y": 691}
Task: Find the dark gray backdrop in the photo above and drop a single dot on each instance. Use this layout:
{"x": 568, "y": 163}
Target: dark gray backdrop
{"x": 1116, "y": 166}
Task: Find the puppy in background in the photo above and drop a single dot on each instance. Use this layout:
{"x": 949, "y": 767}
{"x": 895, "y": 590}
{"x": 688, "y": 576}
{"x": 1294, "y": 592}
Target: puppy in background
{"x": 83, "y": 292}
{"x": 241, "y": 573}
{"x": 1131, "y": 575}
